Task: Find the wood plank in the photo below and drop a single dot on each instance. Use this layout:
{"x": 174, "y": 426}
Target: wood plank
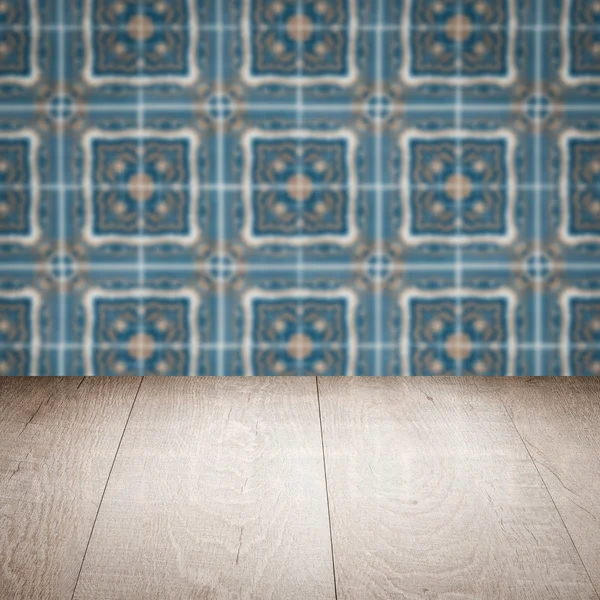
{"x": 59, "y": 437}
{"x": 559, "y": 421}
{"x": 433, "y": 495}
{"x": 217, "y": 492}
{"x": 20, "y": 398}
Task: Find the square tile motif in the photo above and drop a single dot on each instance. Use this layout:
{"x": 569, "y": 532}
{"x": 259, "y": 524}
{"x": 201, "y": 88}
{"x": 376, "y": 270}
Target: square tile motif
{"x": 466, "y": 333}
{"x": 142, "y": 186}
{"x": 296, "y": 331}
{"x": 140, "y": 43}
{"x": 323, "y": 187}
{"x": 19, "y": 187}
{"x": 18, "y": 42}
{"x": 19, "y": 337}
{"x": 581, "y": 333}
{"x": 580, "y": 186}
{"x": 581, "y": 42}
{"x": 458, "y": 186}
{"x": 305, "y": 43}
{"x": 451, "y": 42}
{"x": 133, "y": 332}
{"x": 300, "y": 187}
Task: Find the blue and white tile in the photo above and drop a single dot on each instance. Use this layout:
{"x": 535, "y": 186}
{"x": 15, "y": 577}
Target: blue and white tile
{"x": 471, "y": 180}
{"x": 470, "y": 332}
{"x": 19, "y": 332}
{"x": 143, "y": 186}
{"x": 471, "y": 42}
{"x": 580, "y": 41}
{"x": 580, "y": 187}
{"x": 19, "y": 43}
{"x": 338, "y": 208}
{"x": 19, "y": 187}
{"x": 26, "y": 324}
{"x": 580, "y": 332}
{"x": 147, "y": 43}
{"x": 141, "y": 331}
{"x": 293, "y": 331}
{"x": 311, "y": 43}
{"x": 299, "y": 187}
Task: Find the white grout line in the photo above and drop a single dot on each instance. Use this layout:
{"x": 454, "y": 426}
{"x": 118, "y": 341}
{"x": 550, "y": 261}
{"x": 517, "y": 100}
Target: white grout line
{"x": 299, "y": 362}
{"x": 62, "y": 216}
{"x": 141, "y": 208}
{"x": 233, "y": 187}
{"x": 221, "y": 308}
{"x": 239, "y": 346}
{"x": 214, "y": 27}
{"x": 537, "y": 195}
{"x": 379, "y": 201}
{"x": 458, "y": 367}
{"x": 416, "y": 105}
{"x": 319, "y": 266}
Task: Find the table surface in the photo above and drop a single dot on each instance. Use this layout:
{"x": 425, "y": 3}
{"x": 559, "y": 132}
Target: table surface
{"x": 192, "y": 488}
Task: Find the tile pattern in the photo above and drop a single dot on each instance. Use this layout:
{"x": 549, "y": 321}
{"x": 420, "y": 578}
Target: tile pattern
{"x": 314, "y": 187}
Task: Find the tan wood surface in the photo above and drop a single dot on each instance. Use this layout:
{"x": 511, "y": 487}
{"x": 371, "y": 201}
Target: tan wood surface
{"x": 218, "y": 492}
{"x": 216, "y": 488}
{"x": 58, "y": 439}
{"x": 559, "y": 421}
{"x": 432, "y": 494}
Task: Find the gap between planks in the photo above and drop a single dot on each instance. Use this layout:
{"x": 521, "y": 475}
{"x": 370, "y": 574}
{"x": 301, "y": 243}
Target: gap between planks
{"x": 326, "y": 490}
{"x": 106, "y": 484}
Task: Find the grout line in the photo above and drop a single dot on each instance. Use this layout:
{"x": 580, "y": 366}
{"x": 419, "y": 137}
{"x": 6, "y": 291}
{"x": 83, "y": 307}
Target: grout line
{"x": 317, "y": 266}
{"x": 326, "y": 490}
{"x": 458, "y": 168}
{"x": 396, "y": 346}
{"x": 240, "y": 187}
{"x": 537, "y": 200}
{"x": 360, "y": 27}
{"x": 364, "y": 346}
{"x": 141, "y": 209}
{"x": 549, "y": 494}
{"x": 222, "y": 298}
{"x": 379, "y": 194}
{"x": 411, "y": 105}
{"x": 105, "y": 486}
{"x": 61, "y": 209}
{"x": 299, "y": 96}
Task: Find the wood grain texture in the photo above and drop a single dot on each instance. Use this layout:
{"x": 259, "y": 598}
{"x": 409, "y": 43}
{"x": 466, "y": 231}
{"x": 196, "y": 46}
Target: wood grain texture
{"x": 432, "y": 494}
{"x": 559, "y": 421}
{"x": 58, "y": 439}
{"x": 218, "y": 492}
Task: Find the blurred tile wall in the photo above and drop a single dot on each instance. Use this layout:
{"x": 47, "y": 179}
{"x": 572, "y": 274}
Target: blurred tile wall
{"x": 315, "y": 187}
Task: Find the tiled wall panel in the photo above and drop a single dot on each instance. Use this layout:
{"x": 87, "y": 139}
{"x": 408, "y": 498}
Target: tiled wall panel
{"x": 271, "y": 187}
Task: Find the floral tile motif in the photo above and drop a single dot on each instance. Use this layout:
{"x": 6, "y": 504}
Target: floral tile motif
{"x": 581, "y": 42}
{"x": 458, "y": 186}
{"x": 300, "y": 187}
{"x": 580, "y": 187}
{"x": 465, "y": 42}
{"x": 141, "y": 186}
{"x": 315, "y": 45}
{"x": 581, "y": 333}
{"x": 19, "y": 338}
{"x": 18, "y": 42}
{"x": 299, "y": 332}
{"x": 140, "y": 43}
{"x": 448, "y": 333}
{"x": 19, "y": 187}
{"x": 133, "y": 332}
